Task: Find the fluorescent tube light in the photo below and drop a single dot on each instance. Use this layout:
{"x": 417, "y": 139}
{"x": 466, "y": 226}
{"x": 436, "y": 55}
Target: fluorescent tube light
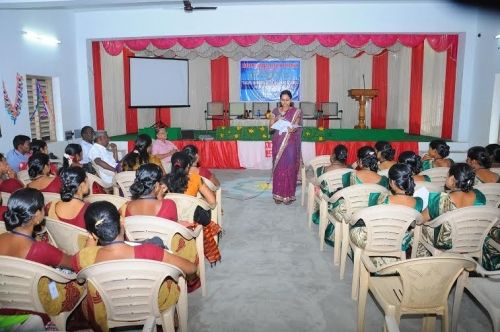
{"x": 39, "y": 38}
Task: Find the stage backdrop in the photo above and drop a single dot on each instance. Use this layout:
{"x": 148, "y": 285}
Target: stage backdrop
{"x": 415, "y": 76}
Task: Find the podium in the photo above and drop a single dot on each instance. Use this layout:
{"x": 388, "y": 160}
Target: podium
{"x": 362, "y": 95}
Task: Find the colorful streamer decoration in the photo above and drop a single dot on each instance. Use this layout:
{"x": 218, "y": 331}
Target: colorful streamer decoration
{"x": 14, "y": 110}
{"x": 42, "y": 105}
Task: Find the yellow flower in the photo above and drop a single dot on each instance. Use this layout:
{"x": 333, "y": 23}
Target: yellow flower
{"x": 320, "y": 138}
{"x": 264, "y": 136}
{"x": 250, "y": 131}
{"x": 236, "y": 136}
{"x": 221, "y": 135}
{"x": 262, "y": 128}
{"x": 222, "y": 127}
{"x": 321, "y": 128}
{"x": 238, "y": 128}
{"x": 308, "y": 134}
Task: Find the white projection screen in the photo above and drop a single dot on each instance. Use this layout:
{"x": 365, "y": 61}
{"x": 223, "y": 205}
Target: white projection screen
{"x": 159, "y": 82}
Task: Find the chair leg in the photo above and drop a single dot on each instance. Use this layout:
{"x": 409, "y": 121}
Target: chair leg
{"x": 363, "y": 293}
{"x": 355, "y": 273}
{"x": 323, "y": 222}
{"x": 429, "y": 323}
{"x": 457, "y": 301}
{"x": 345, "y": 249}
{"x": 303, "y": 184}
{"x": 167, "y": 318}
{"x": 338, "y": 243}
{"x": 310, "y": 203}
{"x": 445, "y": 321}
{"x": 182, "y": 306}
{"x": 201, "y": 263}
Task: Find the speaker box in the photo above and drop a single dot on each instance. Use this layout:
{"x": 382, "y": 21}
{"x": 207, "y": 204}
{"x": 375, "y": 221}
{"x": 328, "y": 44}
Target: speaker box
{"x": 187, "y": 134}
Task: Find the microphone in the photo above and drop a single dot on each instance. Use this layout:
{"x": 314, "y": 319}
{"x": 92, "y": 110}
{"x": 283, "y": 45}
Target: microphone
{"x": 364, "y": 85}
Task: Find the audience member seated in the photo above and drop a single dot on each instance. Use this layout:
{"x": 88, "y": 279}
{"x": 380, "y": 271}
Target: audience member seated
{"x": 72, "y": 156}
{"x": 413, "y": 160}
{"x": 147, "y": 195}
{"x": 102, "y": 220}
{"x": 140, "y": 155}
{"x": 385, "y": 155}
{"x": 8, "y": 181}
{"x": 494, "y": 152}
{"x": 192, "y": 152}
{"x": 71, "y": 208}
{"x": 25, "y": 209}
{"x": 338, "y": 160}
{"x": 436, "y": 156}
{"x": 102, "y": 157}
{"x": 20, "y": 153}
{"x": 402, "y": 187}
{"x": 460, "y": 182}
{"x": 480, "y": 161}
{"x": 39, "y": 172}
{"x": 162, "y": 148}
{"x": 86, "y": 142}
{"x": 39, "y": 146}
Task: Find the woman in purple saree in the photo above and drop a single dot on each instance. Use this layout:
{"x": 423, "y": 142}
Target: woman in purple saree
{"x": 286, "y": 150}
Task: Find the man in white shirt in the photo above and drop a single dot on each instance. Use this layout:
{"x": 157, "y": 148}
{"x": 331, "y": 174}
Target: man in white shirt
{"x": 102, "y": 157}
{"x": 87, "y": 134}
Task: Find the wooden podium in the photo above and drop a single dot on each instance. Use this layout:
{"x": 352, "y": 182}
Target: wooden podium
{"x": 362, "y": 95}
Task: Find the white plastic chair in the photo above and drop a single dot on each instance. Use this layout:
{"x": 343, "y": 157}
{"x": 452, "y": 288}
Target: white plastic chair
{"x": 319, "y": 161}
{"x": 218, "y": 199}
{"x": 3, "y": 229}
{"x": 421, "y": 287}
{"x": 123, "y": 181}
{"x": 117, "y": 201}
{"x": 486, "y": 290}
{"x": 495, "y": 170}
{"x": 138, "y": 228}
{"x": 491, "y": 191}
{"x": 469, "y": 227}
{"x": 438, "y": 175}
{"x": 5, "y": 197}
{"x": 384, "y": 172}
{"x": 23, "y": 177}
{"x": 129, "y": 290}
{"x": 355, "y": 197}
{"x": 68, "y": 238}
{"x": 186, "y": 205}
{"x": 333, "y": 180}
{"x": 386, "y": 226}
{"x": 91, "y": 179}
{"x": 51, "y": 197}
{"x": 19, "y": 280}
{"x": 432, "y": 187}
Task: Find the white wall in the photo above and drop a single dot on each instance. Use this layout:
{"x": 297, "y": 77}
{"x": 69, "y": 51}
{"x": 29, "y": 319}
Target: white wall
{"x": 24, "y": 57}
{"x": 296, "y": 18}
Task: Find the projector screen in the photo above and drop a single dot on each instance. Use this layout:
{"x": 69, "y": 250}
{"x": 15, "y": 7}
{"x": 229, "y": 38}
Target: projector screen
{"x": 159, "y": 82}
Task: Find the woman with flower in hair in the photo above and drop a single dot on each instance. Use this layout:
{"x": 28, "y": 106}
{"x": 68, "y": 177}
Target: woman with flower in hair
{"x": 461, "y": 194}
{"x": 72, "y": 155}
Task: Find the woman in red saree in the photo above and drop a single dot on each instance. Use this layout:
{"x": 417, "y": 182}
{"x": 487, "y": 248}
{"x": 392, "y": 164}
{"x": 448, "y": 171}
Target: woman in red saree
{"x": 286, "y": 150}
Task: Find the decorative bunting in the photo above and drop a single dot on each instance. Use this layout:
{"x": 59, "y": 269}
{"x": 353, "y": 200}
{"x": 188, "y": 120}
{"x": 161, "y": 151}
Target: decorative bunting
{"x": 14, "y": 110}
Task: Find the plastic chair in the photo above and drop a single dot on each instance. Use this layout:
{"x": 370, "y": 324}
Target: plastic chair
{"x": 100, "y": 171}
{"x": 66, "y": 237}
{"x": 315, "y": 163}
{"x": 438, "y": 175}
{"x": 355, "y": 198}
{"x": 486, "y": 290}
{"x": 117, "y": 201}
{"x": 469, "y": 227}
{"x": 218, "y": 198}
{"x": 495, "y": 170}
{"x": 129, "y": 290}
{"x": 5, "y": 197}
{"x": 308, "y": 109}
{"x": 186, "y": 205}
{"x": 91, "y": 179}
{"x": 19, "y": 280}
{"x": 23, "y": 177}
{"x": 259, "y": 108}
{"x": 386, "y": 226}
{"x": 384, "y": 172}
{"x": 431, "y": 187}
{"x": 421, "y": 287}
{"x": 491, "y": 191}
{"x": 236, "y": 109}
{"x": 122, "y": 181}
{"x": 330, "y": 111}
{"x": 2, "y": 227}
{"x": 333, "y": 180}
{"x": 51, "y": 197}
{"x": 138, "y": 228}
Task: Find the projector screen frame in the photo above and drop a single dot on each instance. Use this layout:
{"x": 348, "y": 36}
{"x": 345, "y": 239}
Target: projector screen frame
{"x": 156, "y": 106}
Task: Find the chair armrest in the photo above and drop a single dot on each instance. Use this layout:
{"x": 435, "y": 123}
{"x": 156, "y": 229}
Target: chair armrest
{"x": 434, "y": 223}
{"x": 485, "y": 273}
{"x": 370, "y": 267}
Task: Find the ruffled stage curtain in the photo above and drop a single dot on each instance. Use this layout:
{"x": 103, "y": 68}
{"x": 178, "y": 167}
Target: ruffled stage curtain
{"x": 326, "y": 148}
{"x": 215, "y": 154}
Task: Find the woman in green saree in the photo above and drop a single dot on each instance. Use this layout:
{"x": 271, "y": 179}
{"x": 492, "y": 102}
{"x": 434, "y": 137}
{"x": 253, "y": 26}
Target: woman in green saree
{"x": 436, "y": 156}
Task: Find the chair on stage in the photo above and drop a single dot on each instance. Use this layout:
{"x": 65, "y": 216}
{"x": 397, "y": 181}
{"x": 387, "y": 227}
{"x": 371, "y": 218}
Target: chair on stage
{"x": 309, "y": 111}
{"x": 236, "y": 109}
{"x": 259, "y": 108}
{"x": 330, "y": 111}
{"x": 214, "y": 111}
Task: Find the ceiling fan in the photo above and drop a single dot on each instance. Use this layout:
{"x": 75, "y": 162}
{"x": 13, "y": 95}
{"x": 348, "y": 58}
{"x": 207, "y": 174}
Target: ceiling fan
{"x": 188, "y": 7}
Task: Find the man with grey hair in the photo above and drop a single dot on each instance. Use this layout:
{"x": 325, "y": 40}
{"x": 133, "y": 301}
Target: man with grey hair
{"x": 104, "y": 155}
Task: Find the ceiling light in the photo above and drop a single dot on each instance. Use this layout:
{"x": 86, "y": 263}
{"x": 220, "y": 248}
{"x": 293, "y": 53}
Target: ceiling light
{"x": 39, "y": 38}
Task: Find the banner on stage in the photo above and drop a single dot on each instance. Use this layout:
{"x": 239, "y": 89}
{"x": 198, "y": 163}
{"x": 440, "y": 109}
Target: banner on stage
{"x": 263, "y": 80}
{"x": 268, "y": 149}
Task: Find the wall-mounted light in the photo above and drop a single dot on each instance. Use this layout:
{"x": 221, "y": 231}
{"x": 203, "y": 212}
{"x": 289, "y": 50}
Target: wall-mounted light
{"x": 40, "y": 38}
{"x": 497, "y": 38}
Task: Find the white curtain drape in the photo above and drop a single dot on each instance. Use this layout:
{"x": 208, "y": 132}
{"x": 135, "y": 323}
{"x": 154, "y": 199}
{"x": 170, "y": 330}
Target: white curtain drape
{"x": 113, "y": 93}
{"x": 398, "y": 89}
{"x": 347, "y": 73}
{"x": 433, "y": 91}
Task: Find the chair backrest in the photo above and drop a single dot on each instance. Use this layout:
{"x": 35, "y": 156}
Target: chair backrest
{"x": 5, "y": 197}
{"x": 236, "y": 109}
{"x": 2, "y": 227}
{"x": 50, "y": 197}
{"x": 495, "y": 170}
{"x": 19, "y": 283}
{"x": 23, "y": 177}
{"x": 218, "y": 199}
{"x": 427, "y": 281}
{"x": 186, "y": 205}
{"x": 215, "y": 108}
{"x": 68, "y": 238}
{"x": 323, "y": 160}
{"x": 491, "y": 191}
{"x": 261, "y": 107}
{"x": 129, "y": 287}
{"x": 91, "y": 179}
{"x": 333, "y": 179}
{"x": 124, "y": 180}
{"x": 356, "y": 196}
{"x": 117, "y": 201}
{"x": 469, "y": 227}
{"x": 308, "y": 109}
{"x": 432, "y": 187}
{"x": 383, "y": 172}
{"x": 330, "y": 109}
{"x": 437, "y": 174}
{"x": 386, "y": 226}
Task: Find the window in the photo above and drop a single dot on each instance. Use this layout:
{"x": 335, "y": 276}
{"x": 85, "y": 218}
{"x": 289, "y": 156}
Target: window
{"x": 41, "y": 107}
